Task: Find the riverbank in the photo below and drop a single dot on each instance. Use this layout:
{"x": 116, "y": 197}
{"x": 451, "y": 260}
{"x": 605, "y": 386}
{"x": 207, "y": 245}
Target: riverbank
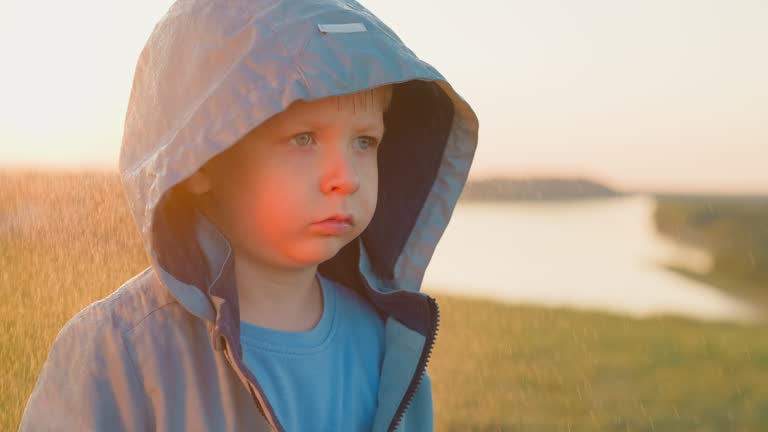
{"x": 602, "y": 254}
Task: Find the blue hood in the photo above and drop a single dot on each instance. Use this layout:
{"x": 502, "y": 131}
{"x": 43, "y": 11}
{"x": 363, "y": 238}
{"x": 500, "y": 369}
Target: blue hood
{"x": 211, "y": 71}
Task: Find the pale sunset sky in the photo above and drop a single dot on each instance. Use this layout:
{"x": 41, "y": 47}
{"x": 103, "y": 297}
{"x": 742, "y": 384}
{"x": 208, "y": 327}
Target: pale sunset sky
{"x": 661, "y": 95}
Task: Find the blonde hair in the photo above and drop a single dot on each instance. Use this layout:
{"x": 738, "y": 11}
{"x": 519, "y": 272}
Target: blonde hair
{"x": 381, "y": 94}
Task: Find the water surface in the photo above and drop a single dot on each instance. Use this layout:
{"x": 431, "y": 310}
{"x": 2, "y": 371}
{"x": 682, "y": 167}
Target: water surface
{"x": 602, "y": 254}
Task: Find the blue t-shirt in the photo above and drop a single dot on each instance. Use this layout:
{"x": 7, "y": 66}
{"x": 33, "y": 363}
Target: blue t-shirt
{"x": 326, "y": 378}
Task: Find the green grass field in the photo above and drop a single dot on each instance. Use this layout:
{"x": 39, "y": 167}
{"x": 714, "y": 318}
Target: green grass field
{"x": 512, "y": 368}
{"x": 68, "y": 240}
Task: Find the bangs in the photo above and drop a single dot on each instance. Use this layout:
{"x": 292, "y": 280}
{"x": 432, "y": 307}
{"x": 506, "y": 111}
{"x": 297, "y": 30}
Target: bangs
{"x": 364, "y": 100}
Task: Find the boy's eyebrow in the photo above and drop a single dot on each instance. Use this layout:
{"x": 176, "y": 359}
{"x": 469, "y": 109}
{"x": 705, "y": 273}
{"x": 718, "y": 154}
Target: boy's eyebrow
{"x": 372, "y": 127}
{"x": 314, "y": 123}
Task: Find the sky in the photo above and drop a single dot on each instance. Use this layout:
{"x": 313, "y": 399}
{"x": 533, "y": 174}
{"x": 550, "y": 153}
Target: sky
{"x": 654, "y": 95}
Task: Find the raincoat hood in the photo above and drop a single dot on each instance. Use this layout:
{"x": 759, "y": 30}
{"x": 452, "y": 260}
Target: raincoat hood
{"x": 211, "y": 71}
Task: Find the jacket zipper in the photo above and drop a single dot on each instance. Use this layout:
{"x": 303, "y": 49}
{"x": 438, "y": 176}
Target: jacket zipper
{"x": 250, "y": 387}
{"x": 261, "y": 408}
{"x": 434, "y": 313}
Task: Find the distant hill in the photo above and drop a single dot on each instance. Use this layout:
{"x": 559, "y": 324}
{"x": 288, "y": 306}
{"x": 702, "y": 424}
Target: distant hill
{"x": 534, "y": 189}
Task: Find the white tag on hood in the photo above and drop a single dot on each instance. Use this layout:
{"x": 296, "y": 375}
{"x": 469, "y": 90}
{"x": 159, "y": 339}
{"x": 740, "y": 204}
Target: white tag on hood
{"x": 342, "y": 28}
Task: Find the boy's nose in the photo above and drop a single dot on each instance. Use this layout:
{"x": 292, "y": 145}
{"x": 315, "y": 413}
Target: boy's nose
{"x": 341, "y": 173}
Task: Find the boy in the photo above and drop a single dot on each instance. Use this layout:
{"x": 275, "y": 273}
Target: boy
{"x": 291, "y": 167}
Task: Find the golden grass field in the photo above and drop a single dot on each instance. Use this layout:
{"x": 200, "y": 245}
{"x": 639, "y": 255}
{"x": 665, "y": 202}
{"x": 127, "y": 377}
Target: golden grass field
{"x": 67, "y": 240}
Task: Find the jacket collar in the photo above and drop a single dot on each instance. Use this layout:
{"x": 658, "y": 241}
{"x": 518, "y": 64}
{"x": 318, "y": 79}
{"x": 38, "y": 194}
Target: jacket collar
{"x": 214, "y": 245}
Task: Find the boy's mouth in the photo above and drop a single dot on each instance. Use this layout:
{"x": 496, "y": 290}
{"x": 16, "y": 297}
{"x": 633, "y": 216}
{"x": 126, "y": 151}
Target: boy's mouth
{"x": 339, "y": 217}
{"x": 335, "y": 225}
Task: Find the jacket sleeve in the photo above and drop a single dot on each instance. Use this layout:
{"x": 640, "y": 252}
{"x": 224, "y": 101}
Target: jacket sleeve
{"x": 87, "y": 383}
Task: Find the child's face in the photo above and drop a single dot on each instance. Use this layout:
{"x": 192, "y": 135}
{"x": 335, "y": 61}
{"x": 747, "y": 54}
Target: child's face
{"x": 311, "y": 161}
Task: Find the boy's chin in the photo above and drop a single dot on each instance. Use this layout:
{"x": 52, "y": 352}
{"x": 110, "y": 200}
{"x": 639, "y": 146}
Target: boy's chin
{"x": 320, "y": 249}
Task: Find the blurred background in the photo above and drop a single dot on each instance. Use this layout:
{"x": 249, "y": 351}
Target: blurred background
{"x": 606, "y": 267}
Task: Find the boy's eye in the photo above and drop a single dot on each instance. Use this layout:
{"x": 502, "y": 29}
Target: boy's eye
{"x": 306, "y": 138}
{"x": 368, "y": 141}
{"x": 302, "y": 138}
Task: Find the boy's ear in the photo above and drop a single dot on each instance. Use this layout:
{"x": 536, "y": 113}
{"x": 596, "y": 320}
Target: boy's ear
{"x": 198, "y": 183}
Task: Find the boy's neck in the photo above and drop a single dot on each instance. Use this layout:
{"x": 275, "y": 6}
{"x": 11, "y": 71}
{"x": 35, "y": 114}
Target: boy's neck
{"x": 287, "y": 301}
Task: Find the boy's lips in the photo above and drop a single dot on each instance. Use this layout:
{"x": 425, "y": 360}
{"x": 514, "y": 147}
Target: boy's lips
{"x": 339, "y": 217}
{"x": 334, "y": 225}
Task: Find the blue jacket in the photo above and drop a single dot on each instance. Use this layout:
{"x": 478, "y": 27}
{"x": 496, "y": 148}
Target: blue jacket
{"x": 162, "y": 352}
